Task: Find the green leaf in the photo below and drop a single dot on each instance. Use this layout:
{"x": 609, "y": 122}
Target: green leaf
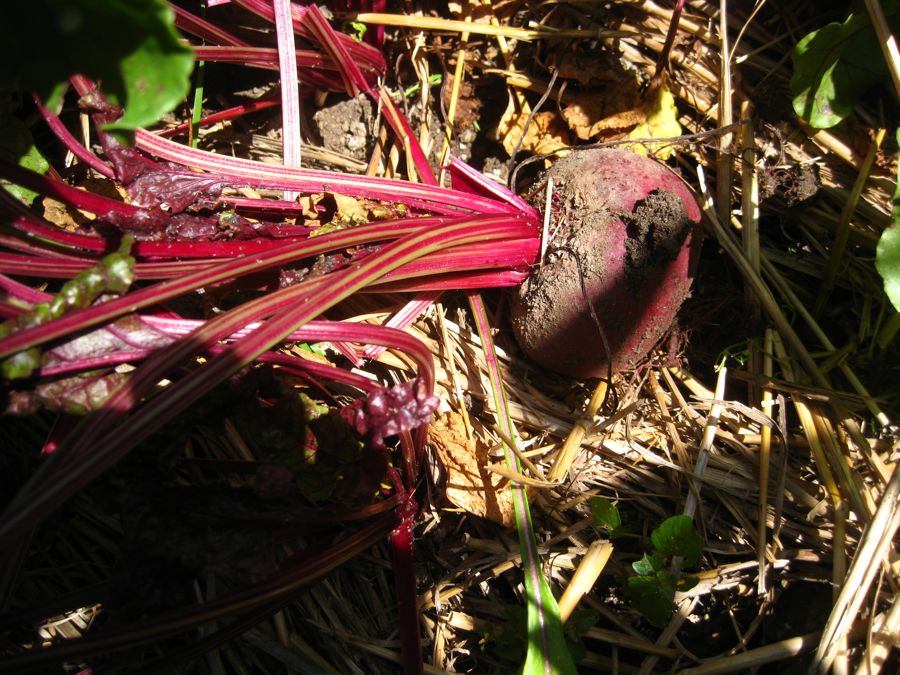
{"x": 835, "y": 65}
{"x": 16, "y": 145}
{"x": 650, "y": 564}
{"x": 547, "y": 650}
{"x": 605, "y": 513}
{"x": 676, "y": 537}
{"x": 887, "y": 255}
{"x": 131, "y": 48}
{"x": 887, "y": 262}
{"x": 653, "y": 596}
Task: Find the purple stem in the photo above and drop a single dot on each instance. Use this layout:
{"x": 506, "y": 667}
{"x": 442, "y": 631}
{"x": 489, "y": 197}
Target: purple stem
{"x": 77, "y": 149}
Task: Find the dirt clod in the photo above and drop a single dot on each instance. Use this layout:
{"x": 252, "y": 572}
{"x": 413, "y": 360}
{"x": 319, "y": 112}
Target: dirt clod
{"x": 656, "y": 230}
{"x": 346, "y": 127}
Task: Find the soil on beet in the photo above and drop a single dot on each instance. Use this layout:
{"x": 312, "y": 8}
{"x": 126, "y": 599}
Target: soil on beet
{"x": 656, "y": 231}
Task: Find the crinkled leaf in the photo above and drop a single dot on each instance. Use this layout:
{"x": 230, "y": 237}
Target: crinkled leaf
{"x": 605, "y": 513}
{"x": 113, "y": 274}
{"x": 835, "y": 65}
{"x": 675, "y": 536}
{"x": 80, "y": 394}
{"x": 653, "y": 596}
{"x": 650, "y": 564}
{"x": 128, "y": 335}
{"x": 887, "y": 257}
{"x": 390, "y": 411}
{"x": 131, "y": 48}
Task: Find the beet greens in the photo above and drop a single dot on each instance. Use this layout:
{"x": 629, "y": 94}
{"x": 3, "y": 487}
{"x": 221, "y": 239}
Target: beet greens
{"x": 132, "y": 264}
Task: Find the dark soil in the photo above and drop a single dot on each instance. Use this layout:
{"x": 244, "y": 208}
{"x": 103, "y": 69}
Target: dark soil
{"x": 346, "y": 127}
{"x": 656, "y": 231}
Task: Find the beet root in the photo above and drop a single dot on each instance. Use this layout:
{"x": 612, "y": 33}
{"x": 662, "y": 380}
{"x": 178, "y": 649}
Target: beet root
{"x": 629, "y": 228}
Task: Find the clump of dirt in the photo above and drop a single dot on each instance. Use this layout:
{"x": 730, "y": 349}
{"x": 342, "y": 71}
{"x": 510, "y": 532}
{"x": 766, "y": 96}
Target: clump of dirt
{"x": 347, "y": 127}
{"x": 656, "y": 231}
{"x": 788, "y": 185}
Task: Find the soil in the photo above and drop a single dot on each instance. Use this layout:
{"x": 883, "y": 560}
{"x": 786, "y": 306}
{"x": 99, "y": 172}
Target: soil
{"x": 656, "y": 231}
{"x": 346, "y": 127}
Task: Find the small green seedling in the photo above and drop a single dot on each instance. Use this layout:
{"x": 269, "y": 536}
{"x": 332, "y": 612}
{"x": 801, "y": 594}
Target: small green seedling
{"x": 510, "y": 644}
{"x": 658, "y": 577}
{"x": 674, "y": 543}
{"x": 606, "y": 515}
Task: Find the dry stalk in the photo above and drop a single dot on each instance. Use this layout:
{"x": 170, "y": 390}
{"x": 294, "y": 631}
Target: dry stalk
{"x": 870, "y": 555}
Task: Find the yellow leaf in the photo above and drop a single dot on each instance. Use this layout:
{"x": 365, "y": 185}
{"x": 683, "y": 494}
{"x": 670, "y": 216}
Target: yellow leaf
{"x": 662, "y": 122}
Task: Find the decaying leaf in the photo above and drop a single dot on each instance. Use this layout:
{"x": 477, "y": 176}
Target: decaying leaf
{"x": 350, "y": 210}
{"x": 656, "y": 117}
{"x": 583, "y": 116}
{"x": 608, "y": 110}
{"x": 470, "y": 486}
{"x": 62, "y": 215}
{"x": 661, "y": 122}
{"x": 546, "y": 132}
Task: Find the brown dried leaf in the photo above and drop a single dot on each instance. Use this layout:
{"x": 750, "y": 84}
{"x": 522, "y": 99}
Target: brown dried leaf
{"x": 546, "y": 132}
{"x": 350, "y": 210}
{"x": 470, "y": 486}
{"x": 608, "y": 111}
{"x": 62, "y": 215}
{"x": 596, "y": 68}
{"x": 585, "y": 116}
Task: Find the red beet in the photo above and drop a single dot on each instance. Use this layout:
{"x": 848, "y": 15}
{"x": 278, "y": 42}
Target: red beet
{"x": 633, "y": 225}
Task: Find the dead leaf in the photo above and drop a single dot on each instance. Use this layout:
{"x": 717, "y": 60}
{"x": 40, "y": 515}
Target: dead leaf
{"x": 62, "y": 215}
{"x": 584, "y": 117}
{"x": 662, "y": 122}
{"x": 582, "y": 113}
{"x": 350, "y": 210}
{"x": 589, "y": 69}
{"x": 546, "y": 132}
{"x": 470, "y": 486}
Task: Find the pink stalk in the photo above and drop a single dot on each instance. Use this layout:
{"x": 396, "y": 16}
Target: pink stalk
{"x": 429, "y": 198}
{"x": 355, "y": 83}
{"x": 318, "y": 71}
{"x": 190, "y": 23}
{"x": 21, "y": 291}
{"x": 71, "y": 143}
{"x": 366, "y": 56}
{"x": 290, "y": 100}
{"x": 405, "y": 317}
{"x": 95, "y": 447}
{"x": 167, "y": 290}
{"x": 467, "y": 179}
{"x": 275, "y": 257}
